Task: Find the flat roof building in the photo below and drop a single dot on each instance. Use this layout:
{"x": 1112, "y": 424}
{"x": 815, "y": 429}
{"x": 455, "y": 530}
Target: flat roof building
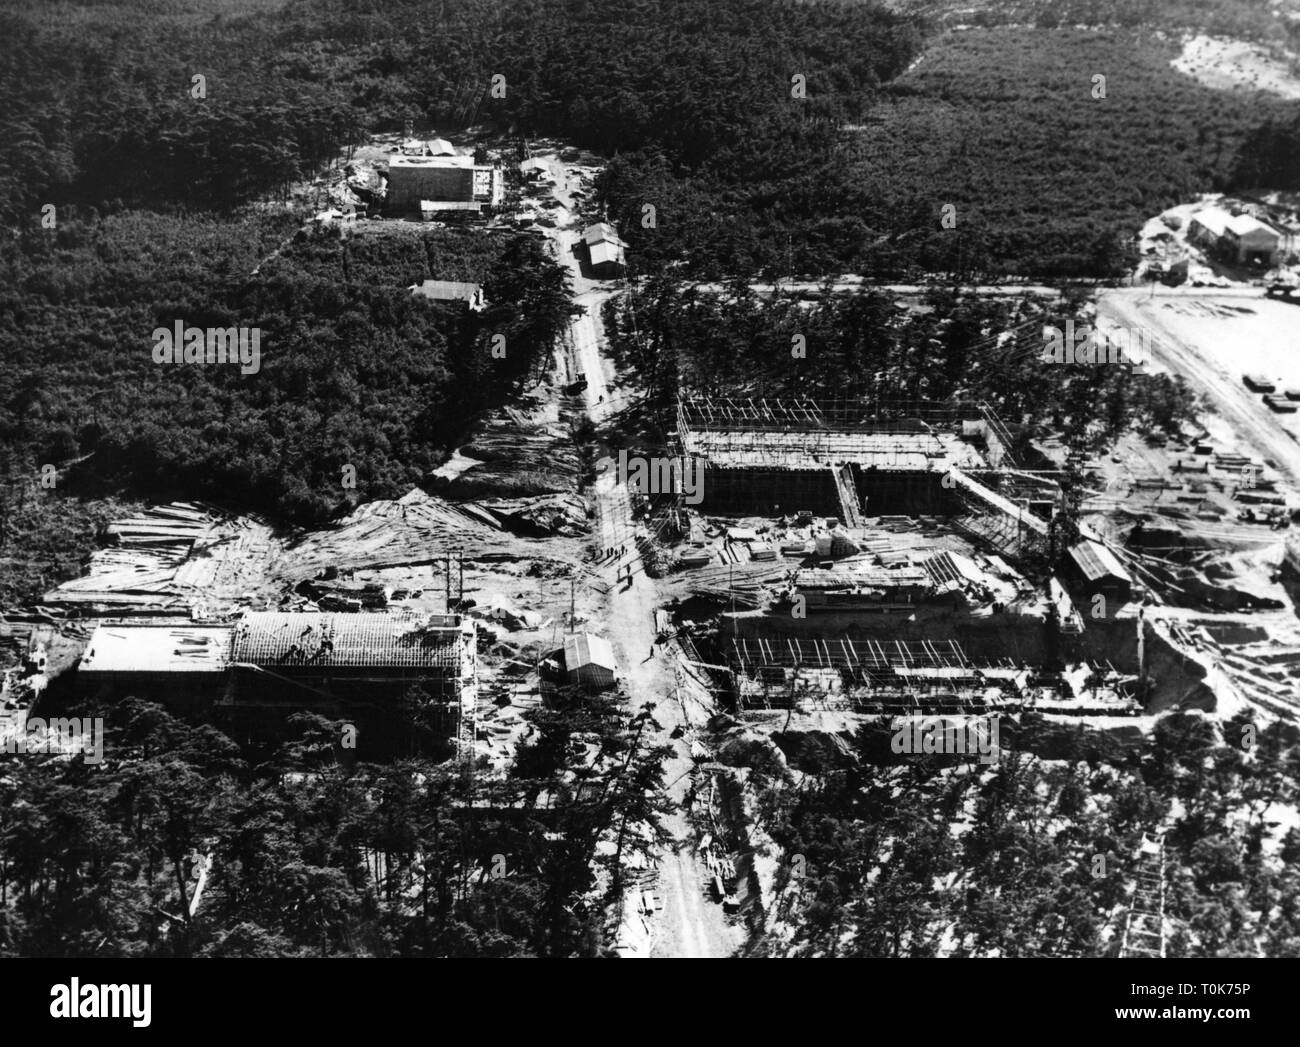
{"x": 184, "y": 666}
{"x": 129, "y": 648}
{"x": 289, "y": 660}
{"x": 442, "y": 179}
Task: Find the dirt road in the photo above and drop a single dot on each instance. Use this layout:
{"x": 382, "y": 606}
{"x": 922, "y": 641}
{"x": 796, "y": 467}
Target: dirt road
{"x": 1251, "y": 420}
{"x": 691, "y": 923}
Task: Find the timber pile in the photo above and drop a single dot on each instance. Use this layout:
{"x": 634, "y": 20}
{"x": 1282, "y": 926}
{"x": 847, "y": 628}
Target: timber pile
{"x": 419, "y": 528}
{"x": 523, "y": 452}
{"x": 170, "y": 557}
{"x": 750, "y": 584}
{"x": 563, "y": 514}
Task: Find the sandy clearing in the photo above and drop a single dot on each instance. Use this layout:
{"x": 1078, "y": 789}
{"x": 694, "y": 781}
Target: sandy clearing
{"x": 1229, "y": 65}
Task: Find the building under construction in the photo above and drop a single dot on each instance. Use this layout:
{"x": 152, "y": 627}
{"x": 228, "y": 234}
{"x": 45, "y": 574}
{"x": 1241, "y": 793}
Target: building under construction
{"x": 437, "y": 179}
{"x": 860, "y": 459}
{"x": 908, "y": 678}
{"x": 359, "y": 667}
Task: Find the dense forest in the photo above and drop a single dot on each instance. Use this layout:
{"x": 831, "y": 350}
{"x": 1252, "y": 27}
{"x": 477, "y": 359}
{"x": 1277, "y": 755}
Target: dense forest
{"x": 311, "y": 855}
{"x": 112, "y": 116}
{"x": 152, "y": 177}
{"x": 846, "y": 170}
{"x": 1041, "y": 178}
{"x": 1033, "y": 857}
{"x": 354, "y": 369}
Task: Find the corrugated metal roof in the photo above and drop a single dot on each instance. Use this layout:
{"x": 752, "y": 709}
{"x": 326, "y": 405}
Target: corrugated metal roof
{"x": 584, "y": 649}
{"x": 1096, "y": 562}
{"x": 362, "y": 640}
{"x": 869, "y": 577}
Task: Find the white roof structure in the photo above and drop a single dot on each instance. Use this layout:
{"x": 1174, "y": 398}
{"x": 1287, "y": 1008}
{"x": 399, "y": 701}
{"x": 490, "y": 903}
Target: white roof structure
{"x": 535, "y": 163}
{"x": 604, "y": 251}
{"x": 1213, "y": 219}
{"x": 1096, "y": 561}
{"x": 603, "y": 244}
{"x": 599, "y": 231}
{"x": 158, "y": 649}
{"x": 1246, "y": 225}
{"x": 395, "y": 162}
{"x": 431, "y": 147}
{"x": 584, "y": 649}
{"x": 450, "y": 291}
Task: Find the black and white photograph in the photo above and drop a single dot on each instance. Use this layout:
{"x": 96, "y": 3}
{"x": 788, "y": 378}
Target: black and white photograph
{"x": 649, "y": 479}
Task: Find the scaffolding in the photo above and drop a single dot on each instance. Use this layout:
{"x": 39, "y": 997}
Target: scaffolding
{"x": 885, "y": 677}
{"x": 896, "y": 449}
{"x": 791, "y": 414}
{"x": 908, "y": 678}
{"x": 750, "y": 654}
{"x": 1144, "y": 927}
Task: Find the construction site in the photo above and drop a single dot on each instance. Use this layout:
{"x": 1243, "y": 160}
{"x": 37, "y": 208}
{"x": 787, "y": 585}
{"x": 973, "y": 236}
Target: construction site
{"x": 846, "y": 563}
{"x": 222, "y": 615}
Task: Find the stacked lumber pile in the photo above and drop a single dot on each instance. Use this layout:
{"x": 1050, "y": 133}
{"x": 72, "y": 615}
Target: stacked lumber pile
{"x": 563, "y": 514}
{"x": 527, "y": 450}
{"x": 173, "y": 558}
{"x": 170, "y": 557}
{"x": 419, "y": 528}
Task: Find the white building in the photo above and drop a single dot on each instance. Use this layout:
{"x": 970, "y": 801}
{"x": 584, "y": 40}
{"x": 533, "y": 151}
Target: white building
{"x": 1250, "y": 240}
{"x": 605, "y": 249}
{"x": 589, "y": 660}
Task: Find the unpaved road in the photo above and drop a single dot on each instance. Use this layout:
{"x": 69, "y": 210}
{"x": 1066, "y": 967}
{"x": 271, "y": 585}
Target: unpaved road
{"x": 853, "y": 284}
{"x": 691, "y": 923}
{"x": 1252, "y": 422}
